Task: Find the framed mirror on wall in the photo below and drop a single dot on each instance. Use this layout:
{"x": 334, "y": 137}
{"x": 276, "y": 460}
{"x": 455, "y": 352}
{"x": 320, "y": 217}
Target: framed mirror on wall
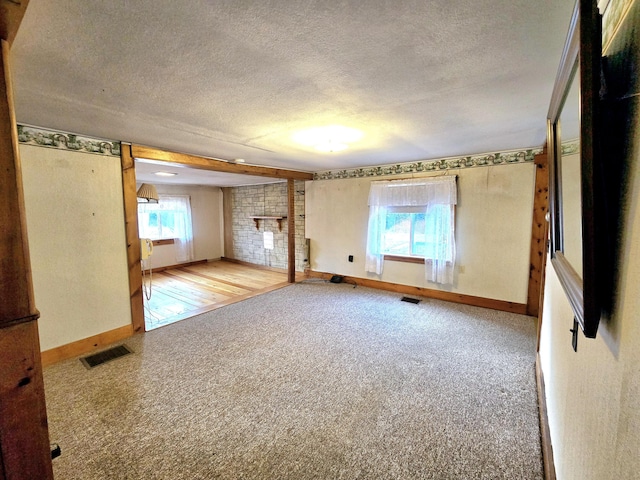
{"x": 576, "y": 198}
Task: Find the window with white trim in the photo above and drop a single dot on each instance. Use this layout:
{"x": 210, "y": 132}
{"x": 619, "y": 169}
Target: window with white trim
{"x": 404, "y": 232}
{"x": 416, "y": 219}
{"x": 170, "y": 218}
{"x": 157, "y": 224}
{"x": 412, "y": 232}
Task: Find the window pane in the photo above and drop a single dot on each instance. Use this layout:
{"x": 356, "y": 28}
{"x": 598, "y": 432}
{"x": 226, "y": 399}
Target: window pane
{"x": 167, "y": 223}
{"x": 405, "y": 234}
{"x": 148, "y": 225}
{"x": 156, "y": 223}
{"x": 167, "y": 220}
{"x": 397, "y": 234}
{"x": 418, "y": 234}
{"x": 437, "y": 233}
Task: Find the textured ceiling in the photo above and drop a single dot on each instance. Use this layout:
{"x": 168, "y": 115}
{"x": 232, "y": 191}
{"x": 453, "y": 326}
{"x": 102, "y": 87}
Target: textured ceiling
{"x": 236, "y": 79}
{"x": 146, "y": 173}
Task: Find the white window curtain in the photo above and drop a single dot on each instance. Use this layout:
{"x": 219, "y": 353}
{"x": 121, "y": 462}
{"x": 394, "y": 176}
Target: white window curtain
{"x": 182, "y": 231}
{"x": 440, "y": 255}
{"x": 375, "y": 238}
{"x": 431, "y": 193}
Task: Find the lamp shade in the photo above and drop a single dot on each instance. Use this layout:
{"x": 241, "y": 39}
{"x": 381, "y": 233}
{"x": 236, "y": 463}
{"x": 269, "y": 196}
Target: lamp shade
{"x": 147, "y": 192}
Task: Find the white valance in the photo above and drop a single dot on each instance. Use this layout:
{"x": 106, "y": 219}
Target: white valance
{"x": 437, "y": 197}
{"x": 414, "y": 192}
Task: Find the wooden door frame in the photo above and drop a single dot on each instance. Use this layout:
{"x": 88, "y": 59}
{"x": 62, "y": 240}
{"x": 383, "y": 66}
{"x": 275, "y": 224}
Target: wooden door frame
{"x": 128, "y": 155}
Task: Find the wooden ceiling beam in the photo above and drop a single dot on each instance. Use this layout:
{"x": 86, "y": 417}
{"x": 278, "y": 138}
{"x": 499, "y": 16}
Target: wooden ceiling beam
{"x": 11, "y": 13}
{"x": 194, "y": 161}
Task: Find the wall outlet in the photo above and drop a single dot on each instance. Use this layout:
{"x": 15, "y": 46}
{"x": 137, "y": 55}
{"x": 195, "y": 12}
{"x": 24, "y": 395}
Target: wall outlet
{"x": 351, "y": 258}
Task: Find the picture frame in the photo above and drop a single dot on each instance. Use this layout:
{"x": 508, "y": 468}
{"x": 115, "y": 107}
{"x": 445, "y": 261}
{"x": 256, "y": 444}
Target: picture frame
{"x": 582, "y": 278}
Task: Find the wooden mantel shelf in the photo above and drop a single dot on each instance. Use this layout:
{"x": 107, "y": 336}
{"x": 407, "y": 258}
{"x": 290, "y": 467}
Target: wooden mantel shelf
{"x": 257, "y": 219}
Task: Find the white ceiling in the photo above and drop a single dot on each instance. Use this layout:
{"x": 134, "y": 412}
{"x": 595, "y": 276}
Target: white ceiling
{"x": 236, "y": 78}
{"x": 146, "y": 173}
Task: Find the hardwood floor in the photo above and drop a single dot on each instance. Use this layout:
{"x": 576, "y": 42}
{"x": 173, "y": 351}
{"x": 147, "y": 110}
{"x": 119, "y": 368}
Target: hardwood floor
{"x": 184, "y": 292}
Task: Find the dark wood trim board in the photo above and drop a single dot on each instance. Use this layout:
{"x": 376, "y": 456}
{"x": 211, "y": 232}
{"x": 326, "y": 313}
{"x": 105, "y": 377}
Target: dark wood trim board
{"x": 501, "y": 305}
{"x": 545, "y": 434}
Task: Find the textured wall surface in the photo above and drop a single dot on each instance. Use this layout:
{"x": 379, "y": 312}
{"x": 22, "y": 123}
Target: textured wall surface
{"x": 593, "y": 395}
{"x": 206, "y": 217}
{"x": 493, "y": 232}
{"x": 267, "y": 200}
{"x": 77, "y": 243}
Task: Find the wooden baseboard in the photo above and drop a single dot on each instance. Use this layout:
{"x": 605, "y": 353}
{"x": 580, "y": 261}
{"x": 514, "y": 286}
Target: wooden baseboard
{"x": 545, "y": 434}
{"x": 178, "y": 265}
{"x": 501, "y": 305}
{"x": 255, "y": 265}
{"x": 85, "y": 345}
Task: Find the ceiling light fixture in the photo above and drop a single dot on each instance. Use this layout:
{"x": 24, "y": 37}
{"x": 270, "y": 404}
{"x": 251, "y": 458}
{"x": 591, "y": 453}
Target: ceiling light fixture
{"x": 332, "y": 138}
{"x": 165, "y": 174}
{"x": 331, "y": 146}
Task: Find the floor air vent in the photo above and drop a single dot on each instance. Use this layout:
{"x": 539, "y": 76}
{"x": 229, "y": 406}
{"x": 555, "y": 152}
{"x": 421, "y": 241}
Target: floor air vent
{"x": 105, "y": 356}
{"x": 410, "y": 300}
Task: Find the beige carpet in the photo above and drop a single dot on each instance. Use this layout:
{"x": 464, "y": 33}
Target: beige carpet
{"x": 313, "y": 381}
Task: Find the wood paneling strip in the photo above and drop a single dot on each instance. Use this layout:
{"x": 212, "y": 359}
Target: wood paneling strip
{"x": 254, "y": 265}
{"x": 225, "y": 288}
{"x": 184, "y": 292}
{"x": 204, "y": 163}
{"x": 227, "y": 221}
{"x": 164, "y": 241}
{"x": 543, "y": 278}
{"x": 24, "y": 436}
{"x": 16, "y": 288}
{"x": 291, "y": 233}
{"x": 132, "y": 238}
{"x": 501, "y": 305}
{"x": 11, "y": 13}
{"x": 166, "y": 320}
{"x": 537, "y": 257}
{"x": 545, "y": 434}
{"x": 241, "y": 281}
{"x": 178, "y": 265}
{"x": 85, "y": 345}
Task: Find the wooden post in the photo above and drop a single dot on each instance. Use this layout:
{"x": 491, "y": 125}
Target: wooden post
{"x": 133, "y": 241}
{"x": 291, "y": 222}
{"x": 543, "y": 278}
{"x": 24, "y": 437}
{"x": 538, "y": 234}
{"x": 227, "y": 215}
{"x": 11, "y": 13}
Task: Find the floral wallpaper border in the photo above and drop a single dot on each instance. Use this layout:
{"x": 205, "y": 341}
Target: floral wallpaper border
{"x": 485, "y": 160}
{"x": 67, "y": 141}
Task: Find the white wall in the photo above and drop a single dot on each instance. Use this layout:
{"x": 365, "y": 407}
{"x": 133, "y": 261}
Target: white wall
{"x": 75, "y": 222}
{"x": 493, "y": 231}
{"x": 593, "y": 395}
{"x": 206, "y": 216}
